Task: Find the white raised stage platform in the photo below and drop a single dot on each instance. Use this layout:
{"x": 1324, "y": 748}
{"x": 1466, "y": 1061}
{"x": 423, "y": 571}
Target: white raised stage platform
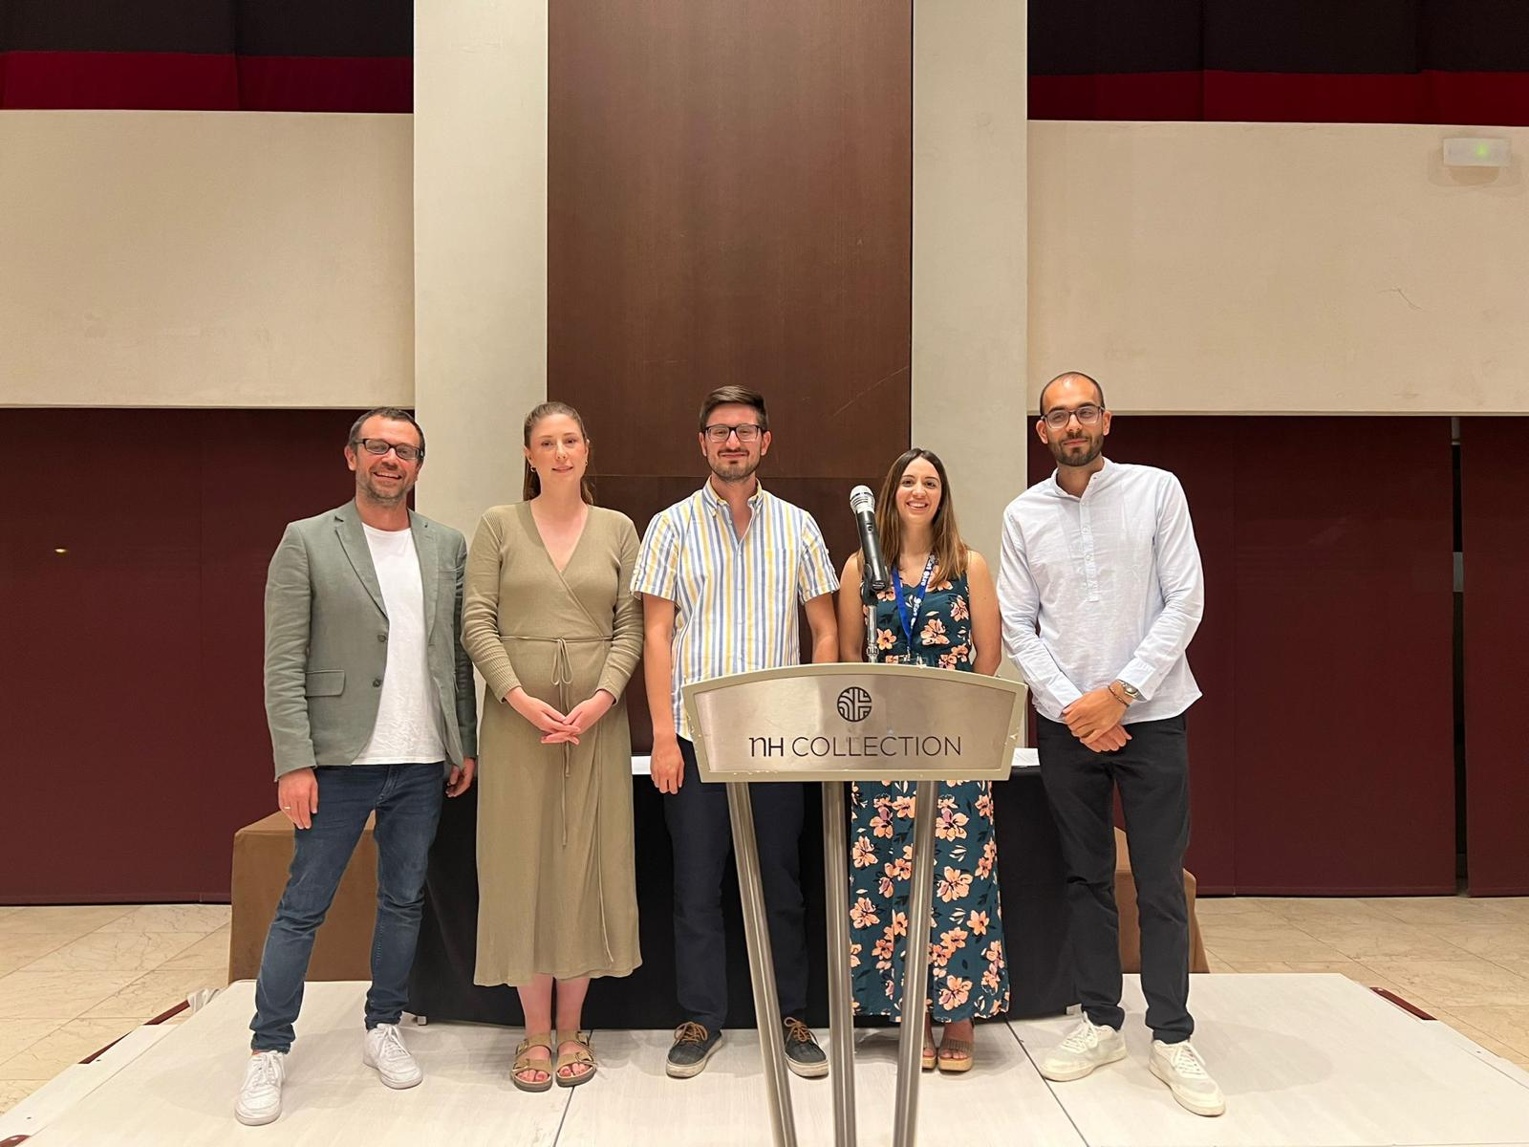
{"x": 1305, "y": 1061}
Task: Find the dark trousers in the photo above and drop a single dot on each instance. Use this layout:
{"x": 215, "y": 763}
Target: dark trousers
{"x": 1152, "y": 773}
{"x": 407, "y": 800}
{"x": 700, "y": 830}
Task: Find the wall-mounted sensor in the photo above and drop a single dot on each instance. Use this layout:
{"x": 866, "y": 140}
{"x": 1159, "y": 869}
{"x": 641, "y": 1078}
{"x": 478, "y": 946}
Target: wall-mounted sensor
{"x": 1463, "y": 151}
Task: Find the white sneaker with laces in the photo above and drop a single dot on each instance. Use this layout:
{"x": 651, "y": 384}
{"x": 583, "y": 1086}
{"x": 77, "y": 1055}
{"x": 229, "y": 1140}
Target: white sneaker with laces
{"x": 260, "y": 1096}
{"x": 385, "y": 1051}
{"x": 1087, "y": 1046}
{"x": 1179, "y": 1066}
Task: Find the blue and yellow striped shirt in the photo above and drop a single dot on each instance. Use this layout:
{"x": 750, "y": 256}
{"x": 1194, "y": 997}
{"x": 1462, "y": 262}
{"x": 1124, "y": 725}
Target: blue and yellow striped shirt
{"x": 735, "y": 598}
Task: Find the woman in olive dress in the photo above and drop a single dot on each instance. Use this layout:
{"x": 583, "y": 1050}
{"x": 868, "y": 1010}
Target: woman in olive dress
{"x": 549, "y": 619}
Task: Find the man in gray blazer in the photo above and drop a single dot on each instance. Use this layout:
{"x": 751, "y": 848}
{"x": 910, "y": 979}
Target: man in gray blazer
{"x": 370, "y": 700}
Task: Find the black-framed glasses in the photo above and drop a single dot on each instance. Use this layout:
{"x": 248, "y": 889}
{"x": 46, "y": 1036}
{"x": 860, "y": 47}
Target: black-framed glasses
{"x": 380, "y": 446}
{"x": 718, "y": 434}
{"x": 1087, "y": 415}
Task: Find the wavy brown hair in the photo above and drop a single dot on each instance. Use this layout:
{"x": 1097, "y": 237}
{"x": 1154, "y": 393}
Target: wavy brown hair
{"x": 532, "y": 485}
{"x": 946, "y": 544}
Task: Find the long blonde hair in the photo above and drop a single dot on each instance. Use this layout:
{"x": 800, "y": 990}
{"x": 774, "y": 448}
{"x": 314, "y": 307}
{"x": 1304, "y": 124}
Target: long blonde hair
{"x": 946, "y": 544}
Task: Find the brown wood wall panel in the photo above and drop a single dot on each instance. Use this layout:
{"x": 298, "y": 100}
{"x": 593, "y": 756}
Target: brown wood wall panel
{"x": 1494, "y": 497}
{"x": 730, "y": 191}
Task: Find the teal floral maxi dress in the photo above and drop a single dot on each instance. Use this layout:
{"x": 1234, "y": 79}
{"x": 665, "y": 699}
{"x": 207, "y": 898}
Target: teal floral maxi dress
{"x": 968, "y": 975}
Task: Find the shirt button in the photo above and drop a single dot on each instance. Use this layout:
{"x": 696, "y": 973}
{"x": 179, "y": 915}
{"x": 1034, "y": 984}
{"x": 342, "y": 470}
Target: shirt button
{"x": 382, "y": 637}
{"x": 376, "y": 682}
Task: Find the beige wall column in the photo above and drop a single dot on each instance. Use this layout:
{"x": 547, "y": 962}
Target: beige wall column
{"x": 969, "y": 251}
{"x": 480, "y": 245}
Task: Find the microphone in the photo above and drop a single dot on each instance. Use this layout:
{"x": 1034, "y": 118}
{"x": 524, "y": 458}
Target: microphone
{"x": 863, "y": 503}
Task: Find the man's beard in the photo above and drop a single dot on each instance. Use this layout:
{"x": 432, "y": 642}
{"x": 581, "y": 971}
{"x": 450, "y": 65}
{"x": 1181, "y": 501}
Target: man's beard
{"x": 385, "y": 497}
{"x": 749, "y": 464}
{"x": 1095, "y": 447}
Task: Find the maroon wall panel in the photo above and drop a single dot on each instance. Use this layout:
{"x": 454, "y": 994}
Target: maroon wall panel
{"x": 1210, "y": 487}
{"x": 99, "y": 684}
{"x": 1322, "y": 584}
{"x": 1344, "y": 755}
{"x": 1494, "y": 479}
{"x": 132, "y": 685}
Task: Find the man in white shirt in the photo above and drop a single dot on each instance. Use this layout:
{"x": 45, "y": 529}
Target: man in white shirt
{"x": 370, "y": 702}
{"x": 1101, "y": 592}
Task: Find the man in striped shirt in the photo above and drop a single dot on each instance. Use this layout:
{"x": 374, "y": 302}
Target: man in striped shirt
{"x": 720, "y": 576}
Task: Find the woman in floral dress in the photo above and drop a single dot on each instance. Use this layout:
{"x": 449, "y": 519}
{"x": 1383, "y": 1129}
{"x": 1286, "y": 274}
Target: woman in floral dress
{"x": 946, "y": 604}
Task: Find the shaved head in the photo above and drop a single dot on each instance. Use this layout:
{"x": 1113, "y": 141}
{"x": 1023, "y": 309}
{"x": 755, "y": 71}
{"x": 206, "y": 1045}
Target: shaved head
{"x": 1072, "y": 376}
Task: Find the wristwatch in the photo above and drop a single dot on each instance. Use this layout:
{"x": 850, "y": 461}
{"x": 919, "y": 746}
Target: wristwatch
{"x": 1132, "y": 693}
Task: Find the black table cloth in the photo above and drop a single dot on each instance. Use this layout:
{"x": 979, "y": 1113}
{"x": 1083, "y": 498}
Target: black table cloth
{"x": 1032, "y": 885}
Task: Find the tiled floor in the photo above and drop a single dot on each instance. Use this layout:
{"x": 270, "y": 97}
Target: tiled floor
{"x": 74, "y": 979}
{"x": 1463, "y": 961}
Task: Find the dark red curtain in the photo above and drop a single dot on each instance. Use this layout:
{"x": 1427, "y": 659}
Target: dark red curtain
{"x": 208, "y": 55}
{"x": 1316, "y": 61}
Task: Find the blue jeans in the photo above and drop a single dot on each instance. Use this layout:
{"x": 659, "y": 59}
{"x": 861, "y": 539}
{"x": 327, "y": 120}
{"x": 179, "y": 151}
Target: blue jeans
{"x": 407, "y": 800}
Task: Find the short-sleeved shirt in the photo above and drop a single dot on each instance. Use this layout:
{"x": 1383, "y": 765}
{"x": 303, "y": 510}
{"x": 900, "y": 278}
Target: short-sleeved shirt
{"x": 735, "y": 598}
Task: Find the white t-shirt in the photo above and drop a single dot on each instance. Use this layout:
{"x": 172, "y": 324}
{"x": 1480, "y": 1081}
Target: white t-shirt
{"x": 408, "y": 729}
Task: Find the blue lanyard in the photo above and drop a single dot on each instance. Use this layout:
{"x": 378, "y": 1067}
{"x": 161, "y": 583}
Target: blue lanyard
{"x": 907, "y": 612}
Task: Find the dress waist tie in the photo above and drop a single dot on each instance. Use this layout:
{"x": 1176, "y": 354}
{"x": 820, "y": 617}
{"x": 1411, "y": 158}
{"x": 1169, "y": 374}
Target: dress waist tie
{"x": 562, "y": 680}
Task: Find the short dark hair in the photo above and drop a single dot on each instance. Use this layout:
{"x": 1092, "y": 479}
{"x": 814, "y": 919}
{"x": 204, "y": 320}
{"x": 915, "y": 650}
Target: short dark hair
{"x": 734, "y": 396}
{"x": 393, "y": 414}
{"x": 1072, "y": 374}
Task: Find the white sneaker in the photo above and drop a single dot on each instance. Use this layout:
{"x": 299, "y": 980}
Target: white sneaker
{"x": 1087, "y": 1046}
{"x": 385, "y": 1051}
{"x": 1179, "y": 1066}
{"x": 260, "y": 1096}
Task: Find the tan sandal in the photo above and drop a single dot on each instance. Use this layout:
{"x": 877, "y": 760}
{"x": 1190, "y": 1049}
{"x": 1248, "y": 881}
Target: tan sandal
{"x": 524, "y": 1063}
{"x": 955, "y": 1056}
{"x": 581, "y": 1056}
{"x": 927, "y": 1062}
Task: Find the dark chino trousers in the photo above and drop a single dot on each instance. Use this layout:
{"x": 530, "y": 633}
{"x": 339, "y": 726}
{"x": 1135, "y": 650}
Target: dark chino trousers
{"x": 1152, "y": 773}
{"x": 700, "y": 830}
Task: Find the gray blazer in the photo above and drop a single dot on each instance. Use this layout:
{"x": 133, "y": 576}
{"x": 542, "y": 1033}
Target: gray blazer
{"x": 326, "y": 633}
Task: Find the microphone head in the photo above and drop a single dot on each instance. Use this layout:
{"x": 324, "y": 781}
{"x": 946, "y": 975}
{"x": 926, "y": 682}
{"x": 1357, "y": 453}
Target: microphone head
{"x": 862, "y": 501}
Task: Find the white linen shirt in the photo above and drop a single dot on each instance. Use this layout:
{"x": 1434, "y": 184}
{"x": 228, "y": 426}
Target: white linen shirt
{"x": 1101, "y": 588}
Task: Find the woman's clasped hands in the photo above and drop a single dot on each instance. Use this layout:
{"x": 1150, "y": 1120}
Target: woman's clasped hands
{"x": 555, "y": 727}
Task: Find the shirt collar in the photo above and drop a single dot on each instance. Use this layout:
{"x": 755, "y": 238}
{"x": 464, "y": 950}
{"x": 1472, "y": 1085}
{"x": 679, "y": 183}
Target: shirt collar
{"x": 717, "y": 502}
{"x": 1103, "y": 477}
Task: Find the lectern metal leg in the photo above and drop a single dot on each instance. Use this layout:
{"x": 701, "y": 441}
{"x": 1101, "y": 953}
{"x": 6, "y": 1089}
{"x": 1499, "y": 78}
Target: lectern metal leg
{"x": 756, "y": 927}
{"x": 910, "y": 1047}
{"x": 841, "y": 1021}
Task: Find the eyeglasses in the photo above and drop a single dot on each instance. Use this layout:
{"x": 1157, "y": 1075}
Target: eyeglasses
{"x": 718, "y": 434}
{"x": 380, "y": 446}
{"x": 1087, "y": 415}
